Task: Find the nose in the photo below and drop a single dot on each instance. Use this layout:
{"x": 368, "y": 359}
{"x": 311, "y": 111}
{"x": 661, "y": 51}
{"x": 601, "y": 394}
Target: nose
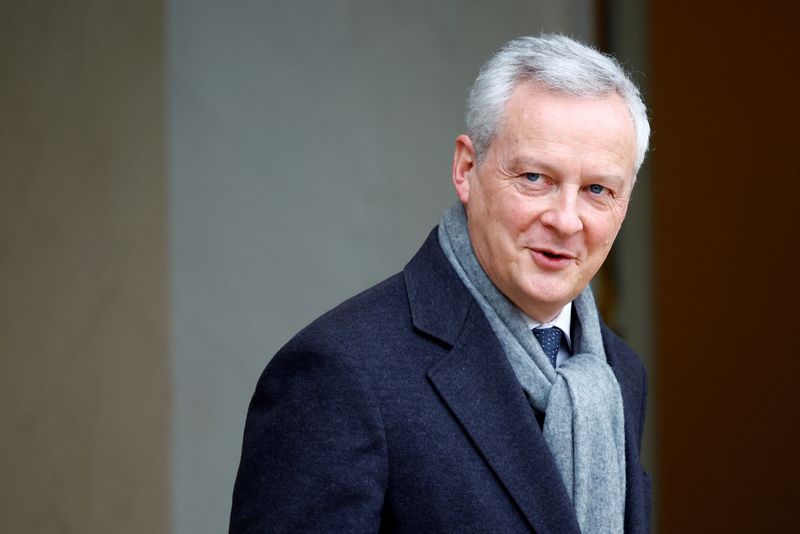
{"x": 562, "y": 213}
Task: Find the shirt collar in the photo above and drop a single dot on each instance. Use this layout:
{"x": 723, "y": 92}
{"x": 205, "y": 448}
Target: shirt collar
{"x": 563, "y": 321}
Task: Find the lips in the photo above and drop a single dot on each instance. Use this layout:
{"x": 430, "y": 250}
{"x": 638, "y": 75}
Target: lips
{"x": 551, "y": 258}
{"x": 555, "y": 253}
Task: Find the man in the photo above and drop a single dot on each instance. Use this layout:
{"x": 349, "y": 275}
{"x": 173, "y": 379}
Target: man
{"x": 443, "y": 399}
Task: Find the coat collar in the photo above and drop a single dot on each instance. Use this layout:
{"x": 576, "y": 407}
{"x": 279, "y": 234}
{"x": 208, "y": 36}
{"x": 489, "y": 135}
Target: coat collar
{"x": 476, "y": 382}
{"x": 439, "y": 300}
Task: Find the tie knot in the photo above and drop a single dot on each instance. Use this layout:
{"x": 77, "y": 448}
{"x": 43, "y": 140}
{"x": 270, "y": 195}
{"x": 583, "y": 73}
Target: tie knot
{"x": 550, "y": 340}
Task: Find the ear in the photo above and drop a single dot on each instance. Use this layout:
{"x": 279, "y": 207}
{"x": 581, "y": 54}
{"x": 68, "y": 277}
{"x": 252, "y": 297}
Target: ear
{"x": 463, "y": 165}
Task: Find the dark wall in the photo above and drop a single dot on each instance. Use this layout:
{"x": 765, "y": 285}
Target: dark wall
{"x": 724, "y": 96}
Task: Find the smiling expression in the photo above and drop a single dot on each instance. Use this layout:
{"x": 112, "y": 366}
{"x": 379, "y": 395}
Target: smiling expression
{"x": 548, "y": 198}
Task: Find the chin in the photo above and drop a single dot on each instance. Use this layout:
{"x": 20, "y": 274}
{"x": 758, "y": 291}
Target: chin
{"x": 549, "y": 296}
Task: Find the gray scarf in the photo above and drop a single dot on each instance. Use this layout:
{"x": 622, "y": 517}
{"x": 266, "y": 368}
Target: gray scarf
{"x": 584, "y": 424}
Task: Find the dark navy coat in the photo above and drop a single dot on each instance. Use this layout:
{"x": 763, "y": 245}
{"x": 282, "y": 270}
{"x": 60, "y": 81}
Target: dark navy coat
{"x": 397, "y": 411}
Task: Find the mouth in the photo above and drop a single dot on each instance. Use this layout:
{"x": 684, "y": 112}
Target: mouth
{"x": 551, "y": 259}
{"x": 554, "y": 254}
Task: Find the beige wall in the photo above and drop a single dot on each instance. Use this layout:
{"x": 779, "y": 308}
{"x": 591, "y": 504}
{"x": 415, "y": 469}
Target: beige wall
{"x": 84, "y": 369}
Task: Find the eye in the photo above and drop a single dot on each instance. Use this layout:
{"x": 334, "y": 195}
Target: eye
{"x": 533, "y": 176}
{"x": 597, "y": 189}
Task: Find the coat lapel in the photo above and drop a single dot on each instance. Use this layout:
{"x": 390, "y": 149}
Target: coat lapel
{"x": 477, "y": 384}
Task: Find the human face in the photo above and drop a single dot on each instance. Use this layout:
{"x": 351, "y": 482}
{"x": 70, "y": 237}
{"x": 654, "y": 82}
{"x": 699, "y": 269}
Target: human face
{"x": 547, "y": 200}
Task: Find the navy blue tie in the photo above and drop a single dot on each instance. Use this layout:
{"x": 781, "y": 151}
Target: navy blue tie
{"x": 550, "y": 340}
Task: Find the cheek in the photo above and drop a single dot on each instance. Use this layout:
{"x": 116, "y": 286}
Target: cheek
{"x": 497, "y": 216}
{"x": 602, "y": 231}
{"x": 516, "y": 217}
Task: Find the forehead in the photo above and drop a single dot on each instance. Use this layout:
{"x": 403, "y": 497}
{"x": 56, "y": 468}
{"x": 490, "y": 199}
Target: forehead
{"x": 537, "y": 120}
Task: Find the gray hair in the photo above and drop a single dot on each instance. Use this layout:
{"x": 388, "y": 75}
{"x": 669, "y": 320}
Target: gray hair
{"x": 559, "y": 64}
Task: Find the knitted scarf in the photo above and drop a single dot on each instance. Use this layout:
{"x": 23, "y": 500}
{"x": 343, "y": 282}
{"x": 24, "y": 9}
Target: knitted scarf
{"x": 584, "y": 422}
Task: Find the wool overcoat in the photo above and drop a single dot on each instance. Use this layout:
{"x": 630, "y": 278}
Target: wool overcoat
{"x": 397, "y": 411}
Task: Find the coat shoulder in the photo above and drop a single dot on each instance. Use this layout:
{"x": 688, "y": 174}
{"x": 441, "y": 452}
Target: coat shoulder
{"x": 360, "y": 321}
{"x": 622, "y": 357}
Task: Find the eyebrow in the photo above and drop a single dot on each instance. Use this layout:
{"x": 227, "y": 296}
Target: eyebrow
{"x": 521, "y": 162}
{"x": 613, "y": 179}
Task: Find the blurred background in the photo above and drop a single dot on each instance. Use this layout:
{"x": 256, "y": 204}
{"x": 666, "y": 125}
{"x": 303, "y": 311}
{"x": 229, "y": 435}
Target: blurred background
{"x": 185, "y": 184}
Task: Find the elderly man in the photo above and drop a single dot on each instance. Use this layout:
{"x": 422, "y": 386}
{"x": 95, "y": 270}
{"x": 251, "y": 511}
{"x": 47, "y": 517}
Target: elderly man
{"x": 478, "y": 390}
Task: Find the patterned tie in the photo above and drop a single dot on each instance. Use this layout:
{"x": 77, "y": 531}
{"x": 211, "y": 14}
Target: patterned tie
{"x": 550, "y": 340}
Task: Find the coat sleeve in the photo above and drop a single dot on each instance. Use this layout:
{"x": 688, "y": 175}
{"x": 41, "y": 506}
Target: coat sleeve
{"x": 314, "y": 451}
